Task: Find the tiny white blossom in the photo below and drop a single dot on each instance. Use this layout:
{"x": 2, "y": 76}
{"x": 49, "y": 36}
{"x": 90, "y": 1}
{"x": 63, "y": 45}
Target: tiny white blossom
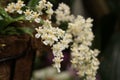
{"x": 45, "y": 5}
{"x": 37, "y": 20}
{"x": 28, "y": 14}
{"x": 15, "y": 7}
{"x": 57, "y": 61}
{"x": 63, "y": 14}
{"x": 37, "y": 35}
{"x": 10, "y": 8}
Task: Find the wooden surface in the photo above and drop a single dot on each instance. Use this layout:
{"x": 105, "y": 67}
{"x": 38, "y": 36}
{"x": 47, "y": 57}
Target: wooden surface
{"x": 23, "y": 67}
{"x": 16, "y": 58}
{"x": 5, "y": 71}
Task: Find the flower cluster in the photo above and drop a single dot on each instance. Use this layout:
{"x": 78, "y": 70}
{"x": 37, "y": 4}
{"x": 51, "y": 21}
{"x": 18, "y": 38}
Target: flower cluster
{"x": 58, "y": 48}
{"x": 32, "y": 15}
{"x": 85, "y": 61}
{"x": 15, "y": 7}
{"x": 49, "y": 34}
{"x": 83, "y": 58}
{"x": 63, "y": 14}
{"x": 45, "y": 7}
{"x": 56, "y": 38}
{"x": 81, "y": 29}
{"x": 78, "y": 36}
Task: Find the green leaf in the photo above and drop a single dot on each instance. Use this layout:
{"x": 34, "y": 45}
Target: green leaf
{"x": 5, "y": 19}
{"x": 4, "y": 14}
{"x": 3, "y": 24}
{"x": 25, "y": 30}
{"x": 64, "y": 25}
{"x": 33, "y": 3}
{"x": 1, "y": 18}
{"x": 9, "y": 31}
{"x": 19, "y": 18}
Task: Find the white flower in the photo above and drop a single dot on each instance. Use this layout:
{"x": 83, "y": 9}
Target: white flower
{"x": 32, "y": 16}
{"x": 20, "y": 2}
{"x": 37, "y": 20}
{"x": 45, "y": 5}
{"x": 19, "y": 11}
{"x": 60, "y": 46}
{"x": 63, "y": 14}
{"x": 89, "y": 20}
{"x": 83, "y": 58}
{"x": 37, "y": 35}
{"x": 47, "y": 23}
{"x": 18, "y": 6}
{"x": 49, "y": 5}
{"x": 15, "y": 7}
{"x": 28, "y": 14}
{"x": 49, "y": 12}
{"x": 96, "y": 52}
{"x": 81, "y": 74}
{"x": 35, "y": 17}
{"x": 49, "y": 34}
{"x": 57, "y": 48}
{"x": 10, "y": 8}
{"x": 57, "y": 61}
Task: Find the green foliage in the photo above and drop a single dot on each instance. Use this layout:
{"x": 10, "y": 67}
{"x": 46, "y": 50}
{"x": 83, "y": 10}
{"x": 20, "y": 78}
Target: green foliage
{"x": 33, "y": 3}
{"x": 5, "y": 19}
{"x": 16, "y": 31}
{"x": 5, "y": 24}
{"x": 63, "y": 25}
{"x": 26, "y": 30}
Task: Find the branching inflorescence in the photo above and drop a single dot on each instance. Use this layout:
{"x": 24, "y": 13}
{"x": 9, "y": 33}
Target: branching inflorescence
{"x": 78, "y": 36}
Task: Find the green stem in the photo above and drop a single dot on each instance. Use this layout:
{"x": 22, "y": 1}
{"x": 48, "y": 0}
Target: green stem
{"x": 21, "y": 18}
{"x": 11, "y": 20}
